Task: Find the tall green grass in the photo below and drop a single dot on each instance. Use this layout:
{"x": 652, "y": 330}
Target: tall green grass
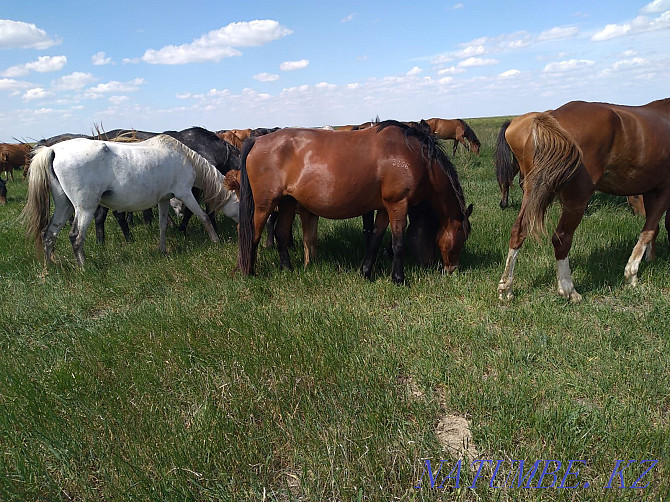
{"x": 169, "y": 377}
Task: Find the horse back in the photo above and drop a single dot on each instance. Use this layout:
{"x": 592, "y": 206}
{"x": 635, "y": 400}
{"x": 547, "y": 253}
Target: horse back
{"x": 335, "y": 174}
{"x": 625, "y": 148}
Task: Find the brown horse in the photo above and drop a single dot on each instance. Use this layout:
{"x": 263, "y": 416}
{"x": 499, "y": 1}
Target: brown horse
{"x": 345, "y": 174}
{"x": 507, "y": 165}
{"x": 455, "y": 129}
{"x": 14, "y": 156}
{"x": 580, "y": 148}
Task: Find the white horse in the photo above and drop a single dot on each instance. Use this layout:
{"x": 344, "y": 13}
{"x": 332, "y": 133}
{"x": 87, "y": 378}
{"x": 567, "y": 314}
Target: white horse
{"x": 82, "y": 173}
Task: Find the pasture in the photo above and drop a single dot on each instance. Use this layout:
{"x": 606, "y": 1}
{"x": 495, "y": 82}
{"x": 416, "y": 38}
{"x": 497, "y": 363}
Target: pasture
{"x": 169, "y": 377}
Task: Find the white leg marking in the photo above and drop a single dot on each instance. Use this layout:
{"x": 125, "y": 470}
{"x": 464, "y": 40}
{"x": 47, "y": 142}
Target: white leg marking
{"x": 630, "y": 272}
{"x": 505, "y": 284}
{"x": 565, "y": 286}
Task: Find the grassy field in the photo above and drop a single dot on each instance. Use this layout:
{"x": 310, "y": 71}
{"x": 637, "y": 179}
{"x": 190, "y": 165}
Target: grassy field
{"x": 168, "y": 377}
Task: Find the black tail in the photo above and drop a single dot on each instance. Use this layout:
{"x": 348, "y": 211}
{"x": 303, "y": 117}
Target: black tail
{"x": 246, "y": 256}
{"x": 503, "y": 157}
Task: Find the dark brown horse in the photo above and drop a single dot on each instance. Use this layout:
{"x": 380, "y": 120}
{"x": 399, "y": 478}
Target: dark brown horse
{"x": 345, "y": 174}
{"x": 456, "y": 129}
{"x": 580, "y": 148}
{"x": 14, "y": 156}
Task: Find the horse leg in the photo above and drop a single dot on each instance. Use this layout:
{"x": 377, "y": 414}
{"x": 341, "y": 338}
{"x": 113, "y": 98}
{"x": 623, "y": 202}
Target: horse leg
{"x": 287, "y": 208}
{"x": 517, "y": 236}
{"x": 163, "y": 212}
{"x": 100, "y": 216}
{"x": 373, "y": 243}
{"x": 212, "y": 217}
{"x": 82, "y": 219}
{"x": 571, "y": 216}
{"x": 272, "y": 221}
{"x": 455, "y": 146}
{"x": 186, "y": 217}
{"x": 122, "y": 220}
{"x": 189, "y": 201}
{"x": 368, "y": 226}
{"x": 310, "y": 225}
{"x": 63, "y": 210}
{"x": 655, "y": 205}
{"x": 398, "y": 219}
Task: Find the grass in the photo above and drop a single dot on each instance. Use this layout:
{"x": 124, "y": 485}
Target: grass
{"x": 168, "y": 377}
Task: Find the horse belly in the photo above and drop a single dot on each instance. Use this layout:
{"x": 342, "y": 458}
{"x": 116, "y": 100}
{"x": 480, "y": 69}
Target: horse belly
{"x": 134, "y": 201}
{"x": 335, "y": 204}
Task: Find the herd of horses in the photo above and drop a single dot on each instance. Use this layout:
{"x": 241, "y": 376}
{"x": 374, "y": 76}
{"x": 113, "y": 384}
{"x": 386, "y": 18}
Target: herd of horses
{"x": 398, "y": 170}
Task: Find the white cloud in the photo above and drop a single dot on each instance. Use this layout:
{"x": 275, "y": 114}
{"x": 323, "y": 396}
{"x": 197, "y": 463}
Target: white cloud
{"x": 350, "y": 17}
{"x": 629, "y": 63}
{"x": 35, "y": 94}
{"x": 509, "y": 73}
{"x": 219, "y": 44}
{"x": 44, "y": 64}
{"x": 113, "y": 87}
{"x": 294, "y": 65}
{"x": 452, "y": 70}
{"x": 9, "y": 84}
{"x": 558, "y": 33}
{"x": 471, "y": 50}
{"x": 414, "y": 72}
{"x": 457, "y": 6}
{"x": 656, "y": 6}
{"x": 100, "y": 59}
{"x": 472, "y": 62}
{"x": 640, "y": 24}
{"x": 266, "y": 77}
{"x": 569, "y": 65}
{"x": 74, "y": 81}
{"x": 117, "y": 100}
{"x": 446, "y": 80}
{"x": 325, "y": 85}
{"x": 16, "y": 34}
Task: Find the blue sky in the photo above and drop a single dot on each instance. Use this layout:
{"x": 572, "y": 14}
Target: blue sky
{"x": 65, "y": 66}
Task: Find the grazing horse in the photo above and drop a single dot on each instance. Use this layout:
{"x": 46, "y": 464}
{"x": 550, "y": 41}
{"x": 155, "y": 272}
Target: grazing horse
{"x": 580, "y": 148}
{"x": 207, "y": 144}
{"x": 456, "y": 129}
{"x": 338, "y": 175}
{"x": 82, "y": 173}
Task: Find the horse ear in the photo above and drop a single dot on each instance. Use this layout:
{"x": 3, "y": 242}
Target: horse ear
{"x": 468, "y": 211}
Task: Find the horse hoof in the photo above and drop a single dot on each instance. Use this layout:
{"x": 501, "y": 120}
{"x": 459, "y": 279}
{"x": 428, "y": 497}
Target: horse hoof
{"x": 572, "y": 296}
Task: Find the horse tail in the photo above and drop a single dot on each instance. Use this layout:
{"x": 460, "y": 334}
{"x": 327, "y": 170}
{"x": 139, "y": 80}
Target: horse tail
{"x": 246, "y": 252}
{"x": 503, "y": 157}
{"x": 35, "y": 214}
{"x": 555, "y": 162}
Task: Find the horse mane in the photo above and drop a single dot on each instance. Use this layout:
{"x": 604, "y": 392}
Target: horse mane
{"x": 206, "y": 176}
{"x": 469, "y": 133}
{"x": 432, "y": 152}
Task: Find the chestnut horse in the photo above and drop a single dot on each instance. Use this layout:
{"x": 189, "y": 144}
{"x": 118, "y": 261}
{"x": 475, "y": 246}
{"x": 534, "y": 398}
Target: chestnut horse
{"x": 455, "y": 129}
{"x": 580, "y": 148}
{"x": 516, "y": 131}
{"x": 344, "y": 174}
